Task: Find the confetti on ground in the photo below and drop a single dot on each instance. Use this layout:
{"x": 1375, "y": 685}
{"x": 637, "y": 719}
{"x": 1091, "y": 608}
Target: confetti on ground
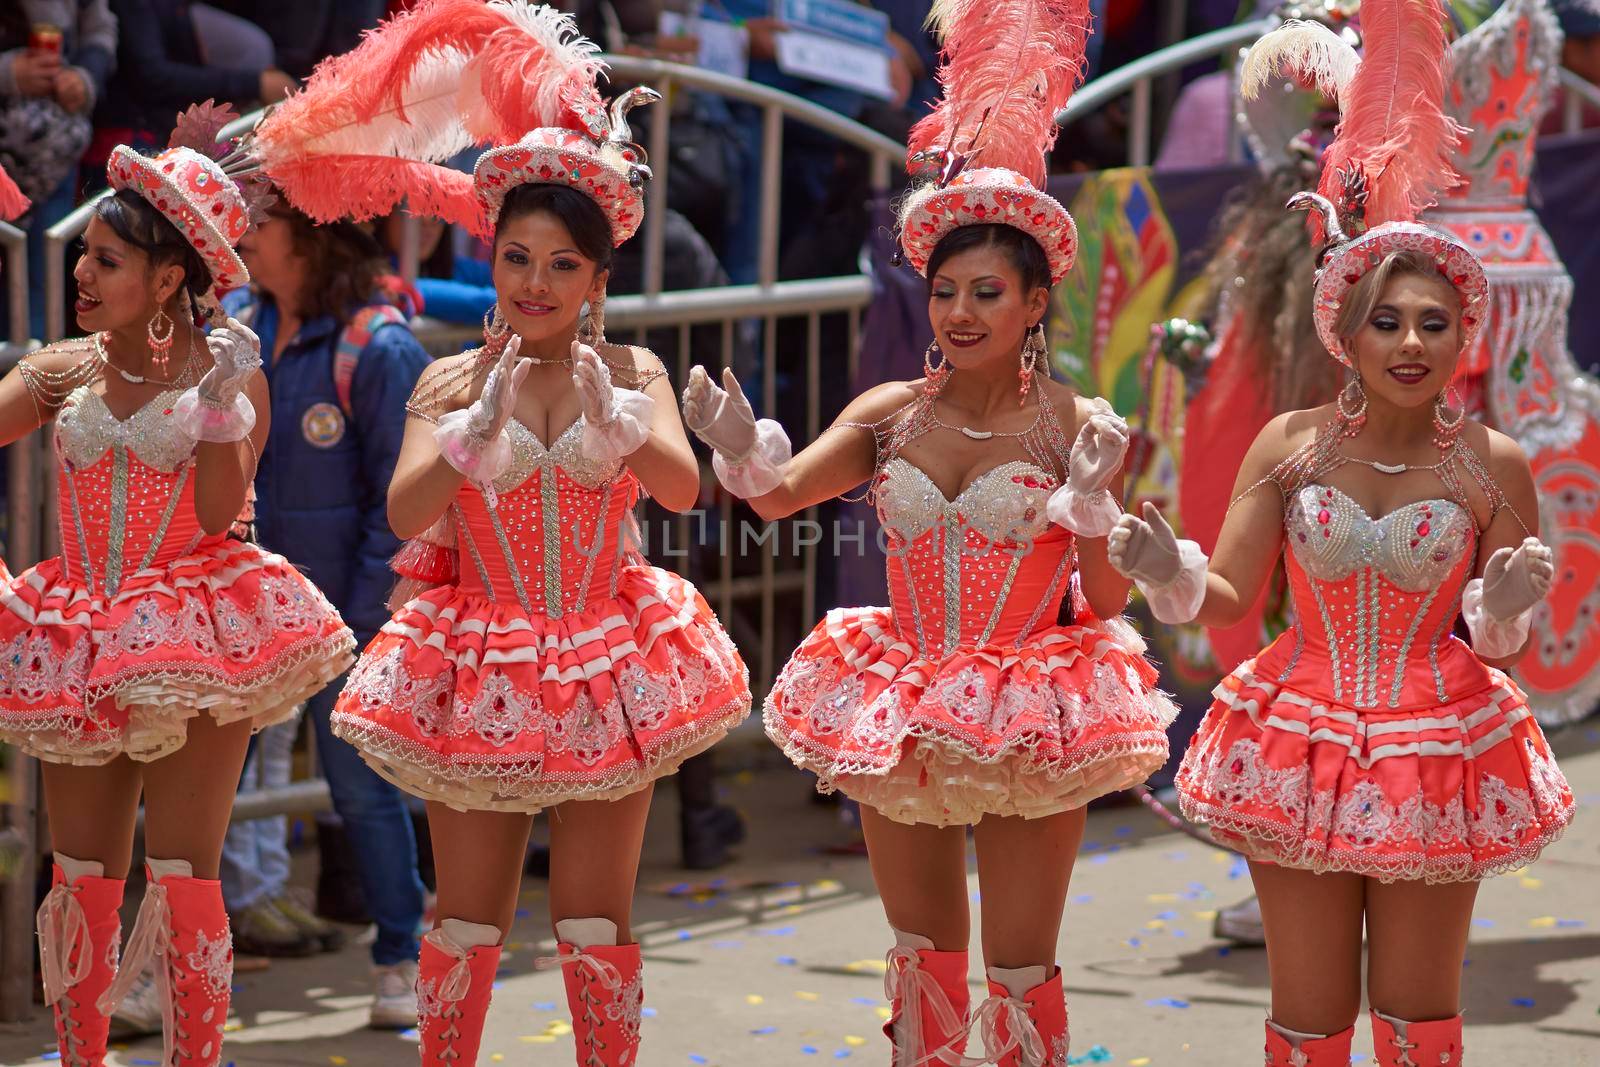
{"x": 1522, "y": 1002}
{"x": 1167, "y": 1002}
{"x": 1531, "y": 883}
{"x": 801, "y": 994}
{"x": 788, "y": 961}
{"x": 853, "y": 1041}
{"x": 765, "y": 1030}
{"x": 337, "y": 1061}
{"x": 754, "y": 998}
{"x": 866, "y": 966}
{"x": 1542, "y": 922}
{"x": 695, "y": 1057}
{"x": 1096, "y": 1054}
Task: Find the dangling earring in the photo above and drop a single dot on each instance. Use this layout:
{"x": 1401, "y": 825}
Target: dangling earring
{"x": 496, "y": 330}
{"x": 1353, "y": 419}
{"x": 1034, "y": 354}
{"x": 936, "y": 374}
{"x": 592, "y": 328}
{"x": 161, "y": 343}
{"x": 1445, "y": 428}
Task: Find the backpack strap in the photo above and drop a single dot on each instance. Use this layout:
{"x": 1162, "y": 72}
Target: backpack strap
{"x": 352, "y": 339}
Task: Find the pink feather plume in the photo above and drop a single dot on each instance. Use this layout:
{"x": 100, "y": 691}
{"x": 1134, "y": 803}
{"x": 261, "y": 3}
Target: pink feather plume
{"x": 420, "y": 88}
{"x": 1009, "y": 68}
{"x": 12, "y": 202}
{"x": 1392, "y": 122}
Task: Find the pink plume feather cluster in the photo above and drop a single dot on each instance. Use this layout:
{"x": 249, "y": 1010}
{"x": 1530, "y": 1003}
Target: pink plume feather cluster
{"x": 12, "y": 202}
{"x": 1009, "y": 68}
{"x": 370, "y": 126}
{"x": 1393, "y": 123}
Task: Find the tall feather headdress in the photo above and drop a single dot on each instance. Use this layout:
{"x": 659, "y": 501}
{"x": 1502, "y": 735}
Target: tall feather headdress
{"x": 1392, "y": 154}
{"x": 1009, "y": 67}
{"x": 374, "y": 126}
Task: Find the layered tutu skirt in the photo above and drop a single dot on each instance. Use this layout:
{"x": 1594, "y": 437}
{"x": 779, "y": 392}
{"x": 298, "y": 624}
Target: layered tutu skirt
{"x": 483, "y": 706}
{"x": 228, "y": 630}
{"x": 1446, "y": 793}
{"x": 1031, "y": 729}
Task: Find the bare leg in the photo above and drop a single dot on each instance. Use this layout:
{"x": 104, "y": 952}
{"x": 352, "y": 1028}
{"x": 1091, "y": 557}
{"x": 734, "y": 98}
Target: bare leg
{"x": 921, "y": 874}
{"x": 478, "y": 856}
{"x": 1023, "y": 868}
{"x": 1416, "y": 940}
{"x": 594, "y": 858}
{"x": 188, "y": 796}
{"x": 92, "y": 811}
{"x": 1313, "y": 927}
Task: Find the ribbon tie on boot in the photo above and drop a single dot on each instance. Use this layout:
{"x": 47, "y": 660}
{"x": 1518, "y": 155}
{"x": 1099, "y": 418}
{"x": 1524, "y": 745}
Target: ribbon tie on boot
{"x": 149, "y": 942}
{"x": 604, "y": 971}
{"x": 1020, "y": 1031}
{"x": 62, "y": 929}
{"x": 905, "y": 978}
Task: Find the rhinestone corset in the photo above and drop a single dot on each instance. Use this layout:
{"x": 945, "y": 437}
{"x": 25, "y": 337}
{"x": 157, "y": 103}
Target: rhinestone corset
{"x": 126, "y": 489}
{"x": 555, "y": 539}
{"x": 1376, "y": 599}
{"x": 985, "y": 568}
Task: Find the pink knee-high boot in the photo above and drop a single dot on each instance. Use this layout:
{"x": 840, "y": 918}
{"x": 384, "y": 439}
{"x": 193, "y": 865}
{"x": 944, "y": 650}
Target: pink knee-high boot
{"x": 1399, "y": 1043}
{"x": 605, "y": 991}
{"x": 455, "y": 974}
{"x": 80, "y": 935}
{"x": 929, "y": 998}
{"x": 1290, "y": 1048}
{"x": 1024, "y": 1021}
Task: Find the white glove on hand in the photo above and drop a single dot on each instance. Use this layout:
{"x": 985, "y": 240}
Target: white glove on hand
{"x": 1498, "y": 608}
{"x": 750, "y": 455}
{"x": 1084, "y": 505}
{"x": 1170, "y": 573}
{"x": 216, "y": 409}
{"x": 615, "y": 421}
{"x": 473, "y": 441}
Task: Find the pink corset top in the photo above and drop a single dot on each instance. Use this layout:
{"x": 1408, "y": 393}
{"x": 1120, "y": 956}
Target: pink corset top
{"x": 126, "y": 490}
{"x": 555, "y": 539}
{"x": 987, "y": 567}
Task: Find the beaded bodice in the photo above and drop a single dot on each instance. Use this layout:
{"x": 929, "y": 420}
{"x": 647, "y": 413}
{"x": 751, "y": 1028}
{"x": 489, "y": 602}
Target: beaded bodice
{"x": 1375, "y": 599}
{"x": 126, "y": 489}
{"x": 554, "y": 537}
{"x": 985, "y": 567}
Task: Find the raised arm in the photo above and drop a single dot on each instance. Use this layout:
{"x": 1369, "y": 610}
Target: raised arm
{"x": 1515, "y": 568}
{"x": 640, "y": 427}
{"x": 754, "y": 461}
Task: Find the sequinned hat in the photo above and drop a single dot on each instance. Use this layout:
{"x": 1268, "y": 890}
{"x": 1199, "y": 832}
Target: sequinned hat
{"x": 1392, "y": 155}
{"x": 979, "y": 158}
{"x": 189, "y": 185}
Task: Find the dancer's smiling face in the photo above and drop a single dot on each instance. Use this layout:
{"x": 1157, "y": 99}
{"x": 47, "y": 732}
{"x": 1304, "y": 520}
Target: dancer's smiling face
{"x": 552, "y": 253}
{"x": 984, "y": 294}
{"x": 1407, "y": 343}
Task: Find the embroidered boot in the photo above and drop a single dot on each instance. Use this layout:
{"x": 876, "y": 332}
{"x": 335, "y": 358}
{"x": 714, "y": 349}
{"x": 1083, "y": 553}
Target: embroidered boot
{"x": 1024, "y": 1021}
{"x": 928, "y": 997}
{"x": 455, "y": 976}
{"x": 181, "y": 929}
{"x": 1291, "y": 1048}
{"x": 1399, "y": 1043}
{"x": 605, "y": 991}
{"x": 79, "y": 937}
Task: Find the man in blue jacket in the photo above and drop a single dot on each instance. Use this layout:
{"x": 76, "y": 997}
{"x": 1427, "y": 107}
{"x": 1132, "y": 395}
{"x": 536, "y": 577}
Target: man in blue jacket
{"x": 340, "y": 363}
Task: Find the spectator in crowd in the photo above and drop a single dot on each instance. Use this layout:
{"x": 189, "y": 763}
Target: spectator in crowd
{"x": 174, "y": 53}
{"x": 55, "y": 59}
{"x": 305, "y": 32}
{"x": 341, "y": 362}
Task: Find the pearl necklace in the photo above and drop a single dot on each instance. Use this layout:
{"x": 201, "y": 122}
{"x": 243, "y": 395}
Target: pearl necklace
{"x": 136, "y": 379}
{"x": 984, "y": 435}
{"x": 1399, "y": 468}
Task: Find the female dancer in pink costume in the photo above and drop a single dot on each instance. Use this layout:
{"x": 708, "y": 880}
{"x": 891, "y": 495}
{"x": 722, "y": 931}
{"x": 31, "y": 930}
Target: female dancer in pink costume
{"x": 1371, "y": 765}
{"x": 968, "y": 701}
{"x": 138, "y": 661}
{"x": 545, "y": 664}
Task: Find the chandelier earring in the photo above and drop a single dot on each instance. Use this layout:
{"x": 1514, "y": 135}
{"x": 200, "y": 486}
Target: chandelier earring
{"x": 161, "y": 331}
{"x": 1447, "y": 423}
{"x": 1034, "y": 356}
{"x": 1352, "y": 406}
{"x": 592, "y": 326}
{"x": 935, "y": 373}
{"x": 496, "y": 330}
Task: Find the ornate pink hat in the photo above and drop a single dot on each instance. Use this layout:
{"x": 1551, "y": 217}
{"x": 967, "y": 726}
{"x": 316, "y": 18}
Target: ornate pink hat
{"x": 599, "y": 161}
{"x": 197, "y": 197}
{"x": 980, "y": 157}
{"x": 1392, "y": 155}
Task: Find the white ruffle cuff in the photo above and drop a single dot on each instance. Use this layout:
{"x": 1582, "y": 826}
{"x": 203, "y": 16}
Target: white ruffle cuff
{"x": 1492, "y": 637}
{"x": 218, "y": 424}
{"x": 479, "y": 458}
{"x": 762, "y": 470}
{"x": 1085, "y": 514}
{"x": 1178, "y": 601}
{"x": 626, "y": 429}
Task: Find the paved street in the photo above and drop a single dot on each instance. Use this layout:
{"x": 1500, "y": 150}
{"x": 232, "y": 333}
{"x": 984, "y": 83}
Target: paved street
{"x": 778, "y": 961}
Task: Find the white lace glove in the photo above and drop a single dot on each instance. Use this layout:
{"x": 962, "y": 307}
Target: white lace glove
{"x": 615, "y": 421}
{"x": 750, "y": 456}
{"x": 473, "y": 440}
{"x": 216, "y": 409}
{"x": 1085, "y": 505}
{"x": 1170, "y": 573}
{"x": 1499, "y": 606}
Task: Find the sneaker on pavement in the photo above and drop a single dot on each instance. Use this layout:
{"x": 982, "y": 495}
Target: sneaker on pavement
{"x": 329, "y": 937}
{"x": 394, "y": 1003}
{"x": 140, "y": 1011}
{"x": 263, "y": 930}
{"x": 1241, "y": 923}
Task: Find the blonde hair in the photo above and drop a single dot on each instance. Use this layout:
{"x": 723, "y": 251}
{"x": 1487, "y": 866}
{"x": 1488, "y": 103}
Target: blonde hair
{"x": 1366, "y": 293}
